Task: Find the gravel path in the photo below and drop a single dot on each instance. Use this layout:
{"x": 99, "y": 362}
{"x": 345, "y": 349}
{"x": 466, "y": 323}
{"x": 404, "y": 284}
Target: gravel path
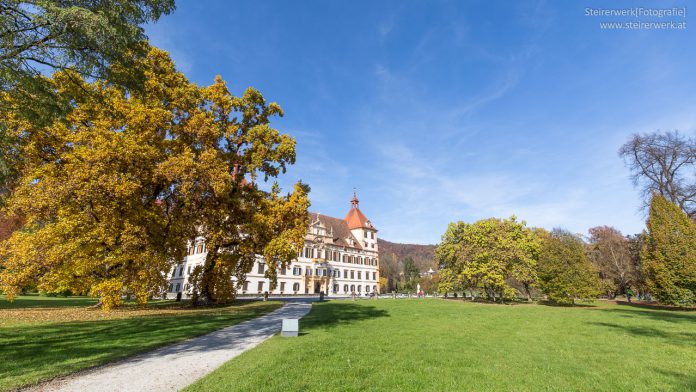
{"x": 174, "y": 367}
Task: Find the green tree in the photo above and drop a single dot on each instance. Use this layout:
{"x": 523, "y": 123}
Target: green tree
{"x": 411, "y": 275}
{"x": 669, "y": 253}
{"x": 565, "y": 273}
{"x": 410, "y": 269}
{"x": 92, "y": 37}
{"x": 490, "y": 255}
{"x": 111, "y": 193}
{"x": 448, "y": 281}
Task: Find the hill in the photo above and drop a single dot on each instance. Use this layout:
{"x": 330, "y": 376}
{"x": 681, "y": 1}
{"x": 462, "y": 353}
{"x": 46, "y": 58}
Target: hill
{"x": 392, "y": 252}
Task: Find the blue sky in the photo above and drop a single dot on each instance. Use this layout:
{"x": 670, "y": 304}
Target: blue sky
{"x": 452, "y": 110}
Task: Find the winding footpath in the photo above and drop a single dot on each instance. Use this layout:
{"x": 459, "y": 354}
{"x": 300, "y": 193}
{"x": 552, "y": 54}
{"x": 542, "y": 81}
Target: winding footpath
{"x": 174, "y": 367}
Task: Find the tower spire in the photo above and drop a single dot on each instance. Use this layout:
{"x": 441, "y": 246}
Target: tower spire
{"x": 354, "y": 201}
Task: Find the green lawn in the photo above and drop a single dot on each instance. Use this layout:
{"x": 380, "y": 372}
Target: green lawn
{"x": 45, "y": 337}
{"x": 440, "y": 345}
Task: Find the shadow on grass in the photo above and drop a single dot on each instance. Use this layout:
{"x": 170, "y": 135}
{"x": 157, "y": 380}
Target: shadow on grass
{"x": 656, "y": 306}
{"x": 334, "y": 313}
{"x": 480, "y": 300}
{"x": 37, "y": 301}
{"x": 658, "y": 315}
{"x": 685, "y": 382}
{"x": 575, "y": 305}
{"x": 677, "y": 338}
{"x": 42, "y": 351}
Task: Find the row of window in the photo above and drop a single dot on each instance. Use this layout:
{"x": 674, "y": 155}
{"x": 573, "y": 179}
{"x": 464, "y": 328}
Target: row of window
{"x": 178, "y": 271}
{"x": 199, "y": 247}
{"x": 311, "y": 253}
{"x": 347, "y": 289}
{"x": 175, "y": 288}
{"x": 336, "y": 273}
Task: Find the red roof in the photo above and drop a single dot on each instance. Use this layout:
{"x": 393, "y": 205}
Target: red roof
{"x": 355, "y": 218}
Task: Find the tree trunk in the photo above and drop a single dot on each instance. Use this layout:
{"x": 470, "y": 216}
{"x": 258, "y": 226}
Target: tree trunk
{"x": 528, "y": 291}
{"x": 207, "y": 289}
{"x": 98, "y": 305}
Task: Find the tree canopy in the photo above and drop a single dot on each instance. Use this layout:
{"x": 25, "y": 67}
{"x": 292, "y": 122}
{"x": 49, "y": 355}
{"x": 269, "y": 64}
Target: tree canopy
{"x": 611, "y": 253}
{"x": 490, "y": 255}
{"x": 664, "y": 163}
{"x": 565, "y": 273}
{"x": 96, "y": 39}
{"x": 669, "y": 253}
{"x": 87, "y": 36}
{"x": 112, "y": 191}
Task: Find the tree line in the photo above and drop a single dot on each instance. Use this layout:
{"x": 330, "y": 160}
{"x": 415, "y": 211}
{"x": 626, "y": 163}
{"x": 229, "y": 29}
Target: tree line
{"x": 503, "y": 259}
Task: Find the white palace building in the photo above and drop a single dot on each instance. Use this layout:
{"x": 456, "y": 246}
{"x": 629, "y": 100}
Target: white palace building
{"x": 340, "y": 258}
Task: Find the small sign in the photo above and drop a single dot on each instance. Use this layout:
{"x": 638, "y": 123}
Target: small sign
{"x": 291, "y": 327}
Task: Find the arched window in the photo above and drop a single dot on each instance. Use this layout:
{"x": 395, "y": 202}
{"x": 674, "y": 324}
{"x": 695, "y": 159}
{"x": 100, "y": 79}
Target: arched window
{"x": 374, "y": 288}
{"x": 296, "y": 287}
{"x": 352, "y": 288}
{"x": 345, "y": 288}
{"x": 367, "y": 289}
{"x": 359, "y": 287}
{"x": 335, "y": 288}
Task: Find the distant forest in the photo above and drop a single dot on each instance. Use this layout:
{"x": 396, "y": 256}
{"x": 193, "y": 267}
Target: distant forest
{"x": 392, "y": 256}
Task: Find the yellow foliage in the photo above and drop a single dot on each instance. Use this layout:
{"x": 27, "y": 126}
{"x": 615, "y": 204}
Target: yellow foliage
{"x": 112, "y": 191}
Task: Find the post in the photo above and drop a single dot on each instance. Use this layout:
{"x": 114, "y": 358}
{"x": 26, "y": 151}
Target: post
{"x": 290, "y": 328}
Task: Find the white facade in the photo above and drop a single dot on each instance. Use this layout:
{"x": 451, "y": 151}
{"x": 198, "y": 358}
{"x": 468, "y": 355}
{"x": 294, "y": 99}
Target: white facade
{"x": 339, "y": 257}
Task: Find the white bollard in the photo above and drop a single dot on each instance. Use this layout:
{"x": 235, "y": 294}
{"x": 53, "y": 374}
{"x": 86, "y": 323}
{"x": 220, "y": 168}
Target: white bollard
{"x": 291, "y": 328}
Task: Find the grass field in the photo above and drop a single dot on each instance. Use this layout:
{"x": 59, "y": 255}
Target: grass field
{"x": 45, "y": 337}
{"x": 440, "y": 345}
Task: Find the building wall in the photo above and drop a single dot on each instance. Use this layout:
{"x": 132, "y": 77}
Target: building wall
{"x": 342, "y": 271}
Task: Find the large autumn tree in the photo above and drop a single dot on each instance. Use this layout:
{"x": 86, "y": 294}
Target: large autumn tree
{"x": 565, "y": 273}
{"x": 112, "y": 191}
{"x": 491, "y": 255}
{"x": 669, "y": 253}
